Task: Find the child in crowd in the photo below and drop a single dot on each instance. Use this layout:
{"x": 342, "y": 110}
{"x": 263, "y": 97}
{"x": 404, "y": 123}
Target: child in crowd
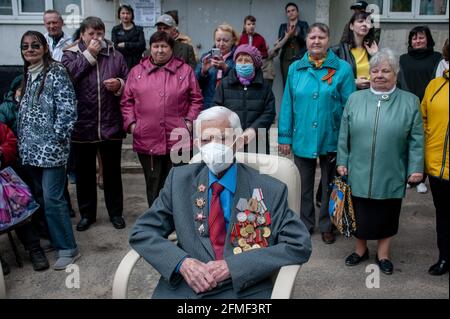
{"x": 249, "y": 36}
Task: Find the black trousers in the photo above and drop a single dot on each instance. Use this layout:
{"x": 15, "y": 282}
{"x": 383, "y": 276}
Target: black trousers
{"x": 307, "y": 168}
{"x": 85, "y": 155}
{"x": 38, "y": 221}
{"x": 28, "y": 237}
{"x": 156, "y": 168}
{"x": 440, "y": 189}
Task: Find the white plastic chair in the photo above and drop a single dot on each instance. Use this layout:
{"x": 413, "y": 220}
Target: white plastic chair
{"x": 2, "y": 285}
{"x": 275, "y": 166}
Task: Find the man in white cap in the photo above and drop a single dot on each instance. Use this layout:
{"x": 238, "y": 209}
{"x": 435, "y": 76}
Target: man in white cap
{"x": 181, "y": 50}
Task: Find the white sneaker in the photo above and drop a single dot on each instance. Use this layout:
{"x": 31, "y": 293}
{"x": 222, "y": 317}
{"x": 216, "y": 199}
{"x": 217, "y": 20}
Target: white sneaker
{"x": 408, "y": 186}
{"x": 422, "y": 188}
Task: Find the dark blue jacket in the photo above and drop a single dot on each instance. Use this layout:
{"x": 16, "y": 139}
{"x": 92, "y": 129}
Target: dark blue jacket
{"x": 208, "y": 82}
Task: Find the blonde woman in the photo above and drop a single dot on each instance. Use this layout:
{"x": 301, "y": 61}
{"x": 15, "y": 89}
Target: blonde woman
{"x": 216, "y": 63}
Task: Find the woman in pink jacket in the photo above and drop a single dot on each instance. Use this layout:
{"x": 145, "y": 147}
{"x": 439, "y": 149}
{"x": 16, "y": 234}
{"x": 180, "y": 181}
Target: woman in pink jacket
{"x": 161, "y": 100}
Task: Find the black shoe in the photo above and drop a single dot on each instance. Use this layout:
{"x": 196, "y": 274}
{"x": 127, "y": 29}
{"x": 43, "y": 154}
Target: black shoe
{"x": 84, "y": 224}
{"x": 38, "y": 259}
{"x": 355, "y": 259}
{"x": 318, "y": 204}
{"x": 118, "y": 222}
{"x": 47, "y": 246}
{"x": 440, "y": 268}
{"x": 385, "y": 265}
{"x": 328, "y": 238}
{"x": 5, "y": 266}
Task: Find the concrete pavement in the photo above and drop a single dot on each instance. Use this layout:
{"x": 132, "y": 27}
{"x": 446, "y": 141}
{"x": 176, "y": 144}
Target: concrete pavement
{"x": 324, "y": 276}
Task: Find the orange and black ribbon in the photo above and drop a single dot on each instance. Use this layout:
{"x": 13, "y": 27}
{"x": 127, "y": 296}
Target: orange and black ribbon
{"x": 329, "y": 76}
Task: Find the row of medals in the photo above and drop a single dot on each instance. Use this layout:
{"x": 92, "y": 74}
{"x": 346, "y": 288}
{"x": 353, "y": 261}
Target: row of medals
{"x": 255, "y": 218}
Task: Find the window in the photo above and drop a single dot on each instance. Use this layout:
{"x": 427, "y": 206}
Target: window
{"x": 5, "y": 7}
{"x": 35, "y": 6}
{"x": 32, "y": 10}
{"x": 410, "y": 10}
{"x": 400, "y": 6}
{"x": 433, "y": 7}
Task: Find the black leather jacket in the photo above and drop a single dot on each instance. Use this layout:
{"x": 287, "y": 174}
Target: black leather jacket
{"x": 342, "y": 50}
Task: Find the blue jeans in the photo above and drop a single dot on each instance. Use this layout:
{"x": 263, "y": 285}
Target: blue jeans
{"x": 50, "y": 182}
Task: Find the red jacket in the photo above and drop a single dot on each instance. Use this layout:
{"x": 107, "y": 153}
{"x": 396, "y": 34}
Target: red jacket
{"x": 258, "y": 42}
{"x": 8, "y": 146}
{"x": 159, "y": 100}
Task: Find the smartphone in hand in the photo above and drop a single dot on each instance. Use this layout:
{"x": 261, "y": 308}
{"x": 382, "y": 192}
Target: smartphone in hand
{"x": 215, "y": 53}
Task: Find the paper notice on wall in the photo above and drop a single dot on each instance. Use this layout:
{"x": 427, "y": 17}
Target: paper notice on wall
{"x": 146, "y": 11}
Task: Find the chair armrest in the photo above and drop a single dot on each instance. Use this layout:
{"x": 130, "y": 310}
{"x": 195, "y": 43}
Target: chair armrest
{"x": 2, "y": 285}
{"x": 284, "y": 283}
{"x": 122, "y": 276}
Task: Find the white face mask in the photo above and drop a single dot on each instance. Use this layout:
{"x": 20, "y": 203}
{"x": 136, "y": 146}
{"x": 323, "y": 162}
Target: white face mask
{"x": 217, "y": 156}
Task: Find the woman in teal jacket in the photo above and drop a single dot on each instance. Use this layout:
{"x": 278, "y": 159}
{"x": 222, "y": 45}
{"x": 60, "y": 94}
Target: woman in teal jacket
{"x": 317, "y": 89}
{"x": 380, "y": 148}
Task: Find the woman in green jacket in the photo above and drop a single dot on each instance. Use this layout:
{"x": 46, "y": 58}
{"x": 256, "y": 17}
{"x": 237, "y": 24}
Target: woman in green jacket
{"x": 317, "y": 89}
{"x": 380, "y": 148}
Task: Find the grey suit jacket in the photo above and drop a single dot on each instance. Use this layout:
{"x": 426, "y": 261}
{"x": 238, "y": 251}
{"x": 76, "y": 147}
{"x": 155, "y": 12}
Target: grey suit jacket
{"x": 175, "y": 209}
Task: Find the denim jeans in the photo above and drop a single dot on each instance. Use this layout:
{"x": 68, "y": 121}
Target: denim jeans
{"x": 51, "y": 181}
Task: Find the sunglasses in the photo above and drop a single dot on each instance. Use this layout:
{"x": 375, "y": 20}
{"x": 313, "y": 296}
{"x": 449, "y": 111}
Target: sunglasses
{"x": 34, "y": 46}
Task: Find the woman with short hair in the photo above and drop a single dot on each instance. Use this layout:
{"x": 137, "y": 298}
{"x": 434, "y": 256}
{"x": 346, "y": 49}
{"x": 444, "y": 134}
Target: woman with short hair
{"x": 317, "y": 89}
{"x": 380, "y": 148}
{"x": 161, "y": 100}
{"x": 418, "y": 68}
{"x": 216, "y": 63}
{"x": 98, "y": 72}
{"x": 128, "y": 38}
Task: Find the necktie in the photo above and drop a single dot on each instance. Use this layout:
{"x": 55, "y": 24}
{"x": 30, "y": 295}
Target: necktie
{"x": 216, "y": 222}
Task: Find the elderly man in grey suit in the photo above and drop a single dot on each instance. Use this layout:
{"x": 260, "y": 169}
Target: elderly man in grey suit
{"x": 233, "y": 224}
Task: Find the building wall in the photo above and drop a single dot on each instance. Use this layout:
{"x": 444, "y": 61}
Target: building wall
{"x": 393, "y": 35}
{"x": 11, "y": 33}
{"x": 198, "y": 19}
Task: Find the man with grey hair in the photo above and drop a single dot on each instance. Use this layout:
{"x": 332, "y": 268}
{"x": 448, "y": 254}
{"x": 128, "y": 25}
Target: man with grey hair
{"x": 233, "y": 225}
{"x": 57, "y": 40}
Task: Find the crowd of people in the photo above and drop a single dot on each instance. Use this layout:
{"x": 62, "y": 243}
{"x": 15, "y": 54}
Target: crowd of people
{"x": 354, "y": 108}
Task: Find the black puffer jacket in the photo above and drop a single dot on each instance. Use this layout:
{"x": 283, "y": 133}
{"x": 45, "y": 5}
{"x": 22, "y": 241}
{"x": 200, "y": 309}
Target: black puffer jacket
{"x": 254, "y": 104}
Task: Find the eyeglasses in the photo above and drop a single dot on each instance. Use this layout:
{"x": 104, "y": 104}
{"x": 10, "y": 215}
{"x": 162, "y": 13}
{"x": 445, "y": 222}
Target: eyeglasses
{"x": 34, "y": 46}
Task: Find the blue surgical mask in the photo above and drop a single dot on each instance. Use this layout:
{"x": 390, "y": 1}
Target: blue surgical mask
{"x": 245, "y": 70}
